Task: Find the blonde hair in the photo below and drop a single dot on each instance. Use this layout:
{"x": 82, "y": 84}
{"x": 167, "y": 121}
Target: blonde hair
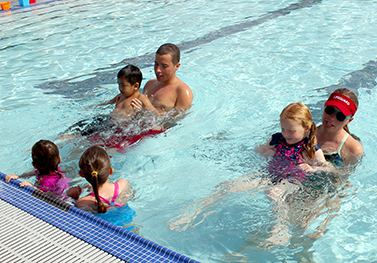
{"x": 300, "y": 113}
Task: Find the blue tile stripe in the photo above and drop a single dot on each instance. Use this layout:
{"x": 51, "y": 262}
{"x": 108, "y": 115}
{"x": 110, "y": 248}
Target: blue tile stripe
{"x": 110, "y": 238}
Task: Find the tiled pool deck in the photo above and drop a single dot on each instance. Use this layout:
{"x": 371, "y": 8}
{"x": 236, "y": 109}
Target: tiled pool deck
{"x": 39, "y": 228}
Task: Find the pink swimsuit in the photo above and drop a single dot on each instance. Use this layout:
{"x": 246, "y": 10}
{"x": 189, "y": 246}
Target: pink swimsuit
{"x": 112, "y": 203}
{"x": 287, "y": 158}
{"x": 53, "y": 183}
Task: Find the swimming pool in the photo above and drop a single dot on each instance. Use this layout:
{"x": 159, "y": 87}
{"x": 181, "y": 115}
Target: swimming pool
{"x": 244, "y": 61}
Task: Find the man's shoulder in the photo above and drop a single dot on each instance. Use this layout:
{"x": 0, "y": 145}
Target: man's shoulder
{"x": 150, "y": 85}
{"x": 183, "y": 87}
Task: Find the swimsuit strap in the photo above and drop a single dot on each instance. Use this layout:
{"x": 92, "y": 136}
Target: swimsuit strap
{"x": 344, "y": 140}
{"x": 116, "y": 192}
{"x": 100, "y": 197}
{"x": 340, "y": 147}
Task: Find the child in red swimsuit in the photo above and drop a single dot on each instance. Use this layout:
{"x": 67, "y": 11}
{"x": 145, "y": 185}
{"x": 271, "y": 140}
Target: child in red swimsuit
{"x": 95, "y": 167}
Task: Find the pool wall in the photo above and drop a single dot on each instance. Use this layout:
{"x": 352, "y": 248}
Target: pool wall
{"x": 112, "y": 239}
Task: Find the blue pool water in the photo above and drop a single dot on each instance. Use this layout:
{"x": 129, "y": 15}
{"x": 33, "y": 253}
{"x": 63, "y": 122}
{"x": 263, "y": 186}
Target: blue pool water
{"x": 244, "y": 61}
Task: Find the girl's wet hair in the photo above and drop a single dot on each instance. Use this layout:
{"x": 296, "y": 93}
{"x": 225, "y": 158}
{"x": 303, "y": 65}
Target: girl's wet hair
{"x": 346, "y": 92}
{"x": 45, "y": 155}
{"x": 171, "y": 49}
{"x": 95, "y": 165}
{"x": 132, "y": 74}
{"x": 300, "y": 113}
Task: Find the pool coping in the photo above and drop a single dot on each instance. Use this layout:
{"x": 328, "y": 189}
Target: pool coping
{"x": 112, "y": 239}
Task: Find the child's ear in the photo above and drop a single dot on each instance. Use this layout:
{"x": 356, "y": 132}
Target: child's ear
{"x": 136, "y": 85}
{"x": 111, "y": 171}
{"x": 80, "y": 173}
{"x": 60, "y": 159}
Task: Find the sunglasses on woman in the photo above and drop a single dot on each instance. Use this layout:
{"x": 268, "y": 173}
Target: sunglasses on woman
{"x": 330, "y": 110}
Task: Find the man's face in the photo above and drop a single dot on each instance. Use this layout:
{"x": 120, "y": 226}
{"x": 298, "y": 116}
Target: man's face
{"x": 164, "y": 67}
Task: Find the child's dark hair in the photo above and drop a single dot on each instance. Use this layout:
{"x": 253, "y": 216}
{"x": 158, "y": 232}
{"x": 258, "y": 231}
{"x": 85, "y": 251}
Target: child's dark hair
{"x": 95, "y": 165}
{"x": 132, "y": 74}
{"x": 45, "y": 155}
{"x": 300, "y": 113}
{"x": 171, "y": 49}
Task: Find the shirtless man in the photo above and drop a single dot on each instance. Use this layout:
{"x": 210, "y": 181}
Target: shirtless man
{"x": 166, "y": 91}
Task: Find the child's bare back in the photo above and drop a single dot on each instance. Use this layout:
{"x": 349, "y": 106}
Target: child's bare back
{"x": 123, "y": 103}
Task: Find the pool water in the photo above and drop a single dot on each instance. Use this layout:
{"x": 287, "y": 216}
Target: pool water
{"x": 245, "y": 61}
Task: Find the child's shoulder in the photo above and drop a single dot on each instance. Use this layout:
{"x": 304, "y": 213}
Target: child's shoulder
{"x": 87, "y": 203}
{"x": 123, "y": 102}
{"x": 276, "y": 138}
{"x": 141, "y": 96}
{"x": 120, "y": 98}
{"x": 122, "y": 182}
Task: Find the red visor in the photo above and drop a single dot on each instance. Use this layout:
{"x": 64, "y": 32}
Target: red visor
{"x": 343, "y": 103}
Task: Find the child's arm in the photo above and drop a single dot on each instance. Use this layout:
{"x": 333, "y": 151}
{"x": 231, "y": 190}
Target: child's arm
{"x": 26, "y": 183}
{"x": 112, "y": 101}
{"x": 87, "y": 203}
{"x": 267, "y": 149}
{"x": 74, "y": 192}
{"x": 147, "y": 103}
{"x": 9, "y": 177}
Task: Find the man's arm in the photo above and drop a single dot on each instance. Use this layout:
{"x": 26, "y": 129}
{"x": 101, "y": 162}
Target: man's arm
{"x": 146, "y": 103}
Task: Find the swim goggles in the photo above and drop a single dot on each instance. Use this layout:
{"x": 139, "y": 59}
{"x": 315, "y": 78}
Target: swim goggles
{"x": 330, "y": 110}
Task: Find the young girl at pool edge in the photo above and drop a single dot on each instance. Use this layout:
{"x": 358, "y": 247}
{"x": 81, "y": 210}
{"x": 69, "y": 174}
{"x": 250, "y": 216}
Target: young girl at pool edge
{"x": 50, "y": 178}
{"x": 95, "y": 167}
